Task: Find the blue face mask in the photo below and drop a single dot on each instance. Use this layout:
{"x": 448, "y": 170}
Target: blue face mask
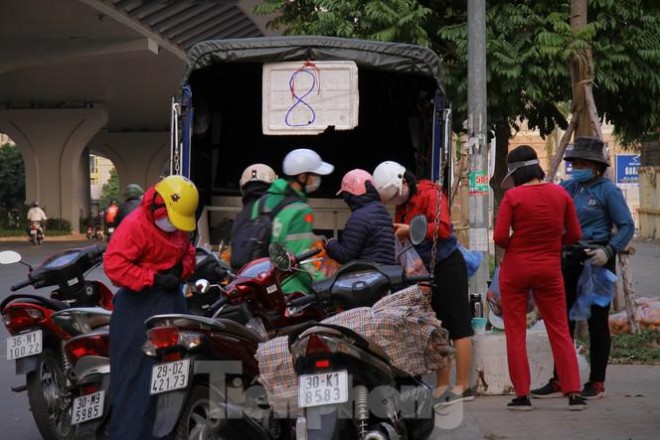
{"x": 583, "y": 174}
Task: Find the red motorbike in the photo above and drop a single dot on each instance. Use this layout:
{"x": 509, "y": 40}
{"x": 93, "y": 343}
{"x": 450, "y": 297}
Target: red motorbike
{"x": 252, "y": 309}
{"x": 38, "y": 335}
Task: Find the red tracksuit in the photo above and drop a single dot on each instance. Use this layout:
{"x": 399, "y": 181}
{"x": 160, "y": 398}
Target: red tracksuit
{"x": 542, "y": 217}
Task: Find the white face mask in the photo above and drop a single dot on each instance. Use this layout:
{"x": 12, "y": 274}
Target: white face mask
{"x": 313, "y": 183}
{"x": 165, "y": 225}
{"x": 400, "y": 198}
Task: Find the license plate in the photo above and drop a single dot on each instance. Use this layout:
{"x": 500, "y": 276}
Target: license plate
{"x": 170, "y": 376}
{"x": 27, "y": 344}
{"x": 322, "y": 389}
{"x": 33, "y": 231}
{"x": 111, "y": 230}
{"x": 86, "y": 408}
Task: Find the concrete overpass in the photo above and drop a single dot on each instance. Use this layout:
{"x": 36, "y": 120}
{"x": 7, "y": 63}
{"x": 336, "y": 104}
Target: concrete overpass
{"x": 97, "y": 76}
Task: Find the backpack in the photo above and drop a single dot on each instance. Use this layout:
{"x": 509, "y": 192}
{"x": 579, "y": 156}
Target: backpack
{"x": 252, "y": 238}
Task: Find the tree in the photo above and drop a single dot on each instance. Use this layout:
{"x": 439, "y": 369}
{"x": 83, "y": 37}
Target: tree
{"x": 12, "y": 177}
{"x": 529, "y": 45}
{"x": 110, "y": 189}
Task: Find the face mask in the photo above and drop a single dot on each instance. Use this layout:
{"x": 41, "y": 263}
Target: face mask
{"x": 313, "y": 183}
{"x": 400, "y": 199}
{"x": 165, "y": 225}
{"x": 583, "y": 174}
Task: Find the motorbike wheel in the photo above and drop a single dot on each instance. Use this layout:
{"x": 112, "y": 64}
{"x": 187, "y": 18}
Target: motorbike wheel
{"x": 49, "y": 402}
{"x": 197, "y": 421}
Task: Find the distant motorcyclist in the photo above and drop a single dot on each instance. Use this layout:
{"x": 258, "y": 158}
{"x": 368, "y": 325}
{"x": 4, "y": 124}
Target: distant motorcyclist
{"x": 132, "y": 198}
{"x": 36, "y": 214}
{"x": 111, "y": 212}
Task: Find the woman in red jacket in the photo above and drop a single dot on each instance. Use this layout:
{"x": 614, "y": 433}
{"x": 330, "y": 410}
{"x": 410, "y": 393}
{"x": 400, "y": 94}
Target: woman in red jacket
{"x": 542, "y": 217}
{"x": 148, "y": 256}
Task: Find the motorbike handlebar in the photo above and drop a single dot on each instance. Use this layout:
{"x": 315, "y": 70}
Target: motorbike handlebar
{"x": 218, "y": 304}
{"x": 414, "y": 279}
{"x": 310, "y": 253}
{"x": 20, "y": 285}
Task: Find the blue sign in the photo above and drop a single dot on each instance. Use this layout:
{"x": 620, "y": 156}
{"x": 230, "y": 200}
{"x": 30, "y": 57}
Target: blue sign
{"x": 568, "y": 168}
{"x": 627, "y": 168}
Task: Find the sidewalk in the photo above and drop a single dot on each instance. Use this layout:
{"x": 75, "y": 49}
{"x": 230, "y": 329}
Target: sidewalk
{"x": 630, "y": 410}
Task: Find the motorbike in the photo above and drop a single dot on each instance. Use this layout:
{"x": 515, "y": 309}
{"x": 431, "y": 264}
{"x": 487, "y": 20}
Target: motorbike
{"x": 36, "y": 232}
{"x": 94, "y": 233}
{"x": 251, "y": 310}
{"x": 89, "y": 357}
{"x": 37, "y": 338}
{"x": 326, "y": 356}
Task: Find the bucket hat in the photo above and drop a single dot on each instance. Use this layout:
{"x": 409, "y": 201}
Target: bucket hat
{"x": 587, "y": 148}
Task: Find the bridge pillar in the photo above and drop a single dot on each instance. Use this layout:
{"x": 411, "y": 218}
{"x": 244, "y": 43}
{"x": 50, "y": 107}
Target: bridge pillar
{"x": 139, "y": 157}
{"x": 52, "y": 142}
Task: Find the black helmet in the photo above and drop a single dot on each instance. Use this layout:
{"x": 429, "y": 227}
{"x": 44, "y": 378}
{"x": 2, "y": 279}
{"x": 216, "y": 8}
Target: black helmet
{"x": 133, "y": 191}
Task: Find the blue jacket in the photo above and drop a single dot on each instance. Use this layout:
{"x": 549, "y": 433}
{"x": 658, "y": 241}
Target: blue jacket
{"x": 368, "y": 234}
{"x": 600, "y": 206}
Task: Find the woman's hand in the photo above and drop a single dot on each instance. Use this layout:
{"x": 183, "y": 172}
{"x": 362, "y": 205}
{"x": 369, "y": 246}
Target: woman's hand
{"x": 402, "y": 231}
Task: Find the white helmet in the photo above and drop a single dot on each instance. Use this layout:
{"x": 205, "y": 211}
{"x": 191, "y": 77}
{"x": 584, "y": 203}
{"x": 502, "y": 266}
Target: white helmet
{"x": 389, "y": 179}
{"x": 303, "y": 160}
{"x": 257, "y": 172}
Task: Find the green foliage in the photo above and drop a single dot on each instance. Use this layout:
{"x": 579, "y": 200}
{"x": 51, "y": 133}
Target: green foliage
{"x": 12, "y": 177}
{"x": 110, "y": 190}
{"x": 633, "y": 349}
{"x": 58, "y": 224}
{"x": 529, "y": 43}
{"x": 391, "y": 20}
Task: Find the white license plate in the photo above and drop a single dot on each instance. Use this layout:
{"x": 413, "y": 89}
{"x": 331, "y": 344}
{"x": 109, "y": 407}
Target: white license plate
{"x": 86, "y": 408}
{"x": 322, "y": 389}
{"x": 170, "y": 376}
{"x": 111, "y": 230}
{"x": 33, "y": 231}
{"x": 27, "y": 344}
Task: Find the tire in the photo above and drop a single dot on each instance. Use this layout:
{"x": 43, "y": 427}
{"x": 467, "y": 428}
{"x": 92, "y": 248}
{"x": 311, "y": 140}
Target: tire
{"x": 48, "y": 398}
{"x": 196, "y": 421}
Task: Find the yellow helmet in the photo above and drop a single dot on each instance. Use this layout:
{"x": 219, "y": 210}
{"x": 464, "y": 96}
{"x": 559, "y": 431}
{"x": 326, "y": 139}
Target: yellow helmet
{"x": 181, "y": 198}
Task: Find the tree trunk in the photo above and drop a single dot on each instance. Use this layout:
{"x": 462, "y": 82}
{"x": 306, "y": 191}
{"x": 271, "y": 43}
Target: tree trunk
{"x": 581, "y": 65}
{"x": 502, "y": 137}
{"x": 628, "y": 292}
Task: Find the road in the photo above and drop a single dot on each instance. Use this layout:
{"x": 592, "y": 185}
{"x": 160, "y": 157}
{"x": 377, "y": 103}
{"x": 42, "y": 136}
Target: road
{"x": 17, "y": 420}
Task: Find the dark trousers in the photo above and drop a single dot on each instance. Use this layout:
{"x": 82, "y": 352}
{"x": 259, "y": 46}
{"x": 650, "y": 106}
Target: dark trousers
{"x": 599, "y": 330}
{"x": 133, "y": 408}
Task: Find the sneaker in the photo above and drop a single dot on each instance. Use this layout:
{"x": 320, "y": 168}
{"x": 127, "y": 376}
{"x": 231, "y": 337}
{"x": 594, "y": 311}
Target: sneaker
{"x": 547, "y": 391}
{"x": 521, "y": 403}
{"x": 593, "y": 390}
{"x": 449, "y": 398}
{"x": 576, "y": 402}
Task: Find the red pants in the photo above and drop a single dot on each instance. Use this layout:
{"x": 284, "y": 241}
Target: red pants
{"x": 548, "y": 288}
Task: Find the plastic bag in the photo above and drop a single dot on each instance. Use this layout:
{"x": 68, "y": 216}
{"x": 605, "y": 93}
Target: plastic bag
{"x": 494, "y": 296}
{"x": 472, "y": 260}
{"x": 408, "y": 257}
{"x": 596, "y": 285}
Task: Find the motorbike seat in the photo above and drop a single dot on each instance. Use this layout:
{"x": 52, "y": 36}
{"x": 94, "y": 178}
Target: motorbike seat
{"x": 372, "y": 347}
{"x": 35, "y": 299}
{"x": 240, "y": 330}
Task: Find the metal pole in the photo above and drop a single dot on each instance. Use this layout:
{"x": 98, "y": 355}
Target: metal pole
{"x": 477, "y": 143}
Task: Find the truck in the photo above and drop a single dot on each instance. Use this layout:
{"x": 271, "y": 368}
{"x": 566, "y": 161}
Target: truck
{"x": 355, "y": 102}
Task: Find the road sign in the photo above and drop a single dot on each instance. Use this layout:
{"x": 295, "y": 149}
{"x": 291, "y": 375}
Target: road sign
{"x": 627, "y": 168}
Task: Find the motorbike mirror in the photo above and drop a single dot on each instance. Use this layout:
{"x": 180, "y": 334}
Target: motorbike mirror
{"x": 9, "y": 257}
{"x": 202, "y": 285}
{"x": 279, "y": 256}
{"x": 418, "y": 227}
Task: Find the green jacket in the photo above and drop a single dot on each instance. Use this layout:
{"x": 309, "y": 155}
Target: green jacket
{"x": 293, "y": 227}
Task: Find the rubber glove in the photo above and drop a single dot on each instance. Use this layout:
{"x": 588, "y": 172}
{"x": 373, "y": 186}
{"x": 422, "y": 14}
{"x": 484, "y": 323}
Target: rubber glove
{"x": 600, "y": 256}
